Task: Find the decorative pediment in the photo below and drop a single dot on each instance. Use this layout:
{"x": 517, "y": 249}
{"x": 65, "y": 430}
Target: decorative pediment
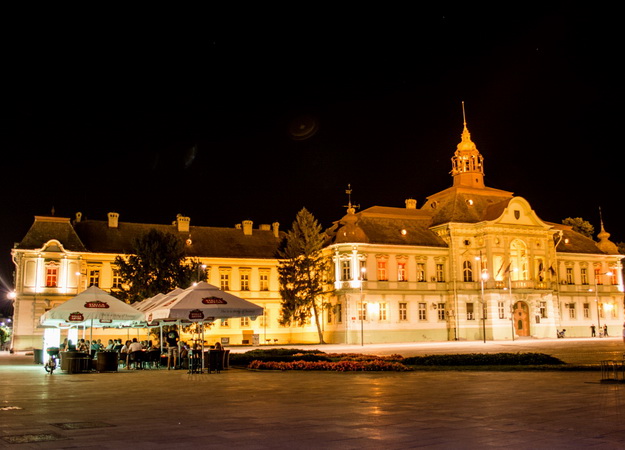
{"x": 53, "y": 246}
{"x": 519, "y": 212}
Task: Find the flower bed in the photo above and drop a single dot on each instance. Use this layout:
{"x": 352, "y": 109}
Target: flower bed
{"x": 371, "y": 365}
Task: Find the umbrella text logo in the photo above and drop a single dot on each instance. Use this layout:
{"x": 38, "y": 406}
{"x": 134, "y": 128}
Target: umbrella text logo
{"x": 76, "y": 317}
{"x": 97, "y": 304}
{"x": 196, "y": 314}
{"x": 214, "y": 301}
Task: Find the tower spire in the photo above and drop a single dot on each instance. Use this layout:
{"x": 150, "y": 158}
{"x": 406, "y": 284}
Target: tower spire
{"x": 467, "y": 162}
{"x": 351, "y": 209}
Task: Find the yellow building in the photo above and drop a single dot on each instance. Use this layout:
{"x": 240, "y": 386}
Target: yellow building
{"x": 59, "y": 258}
{"x": 472, "y": 263}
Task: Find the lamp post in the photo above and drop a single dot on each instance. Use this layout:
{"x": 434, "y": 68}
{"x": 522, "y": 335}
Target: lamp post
{"x": 200, "y": 268}
{"x": 362, "y": 307}
{"x": 483, "y": 278}
{"x": 597, "y": 275}
{"x": 511, "y": 304}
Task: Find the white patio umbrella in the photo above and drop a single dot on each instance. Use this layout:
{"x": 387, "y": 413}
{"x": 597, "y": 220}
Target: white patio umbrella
{"x": 144, "y": 304}
{"x": 94, "y": 308}
{"x": 202, "y": 303}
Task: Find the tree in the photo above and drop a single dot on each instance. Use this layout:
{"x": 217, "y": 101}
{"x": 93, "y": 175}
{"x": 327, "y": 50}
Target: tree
{"x": 158, "y": 264}
{"x": 302, "y": 271}
{"x": 580, "y": 225}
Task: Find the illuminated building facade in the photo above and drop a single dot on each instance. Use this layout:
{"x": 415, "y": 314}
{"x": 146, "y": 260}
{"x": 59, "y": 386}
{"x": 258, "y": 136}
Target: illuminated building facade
{"x": 472, "y": 263}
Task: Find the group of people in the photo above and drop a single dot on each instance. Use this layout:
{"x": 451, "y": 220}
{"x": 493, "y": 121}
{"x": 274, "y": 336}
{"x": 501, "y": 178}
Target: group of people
{"x": 602, "y": 332}
{"x": 177, "y": 351}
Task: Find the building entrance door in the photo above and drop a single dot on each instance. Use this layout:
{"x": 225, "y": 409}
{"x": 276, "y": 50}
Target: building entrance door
{"x": 521, "y": 319}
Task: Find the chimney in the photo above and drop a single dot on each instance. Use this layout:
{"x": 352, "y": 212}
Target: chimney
{"x": 411, "y": 203}
{"x": 247, "y": 227}
{"x": 78, "y": 217}
{"x": 276, "y": 229}
{"x": 113, "y": 219}
{"x": 183, "y": 223}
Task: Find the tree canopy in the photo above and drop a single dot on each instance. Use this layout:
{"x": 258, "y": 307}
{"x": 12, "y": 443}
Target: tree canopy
{"x": 302, "y": 272}
{"x": 580, "y": 225}
{"x": 158, "y": 264}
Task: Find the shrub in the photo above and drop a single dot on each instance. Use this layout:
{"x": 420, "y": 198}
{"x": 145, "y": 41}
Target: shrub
{"x": 483, "y": 359}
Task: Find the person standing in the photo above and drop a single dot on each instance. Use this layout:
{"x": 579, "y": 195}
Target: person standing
{"x": 172, "y": 349}
{"x": 605, "y": 330}
{"x": 593, "y": 330}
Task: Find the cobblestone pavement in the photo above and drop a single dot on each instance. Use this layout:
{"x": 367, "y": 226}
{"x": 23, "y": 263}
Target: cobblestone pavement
{"x": 321, "y": 410}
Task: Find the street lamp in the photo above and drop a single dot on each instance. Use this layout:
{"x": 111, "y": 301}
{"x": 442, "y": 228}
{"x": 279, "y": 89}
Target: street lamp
{"x": 597, "y": 297}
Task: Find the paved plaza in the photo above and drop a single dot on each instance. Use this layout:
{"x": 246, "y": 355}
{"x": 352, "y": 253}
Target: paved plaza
{"x": 241, "y": 409}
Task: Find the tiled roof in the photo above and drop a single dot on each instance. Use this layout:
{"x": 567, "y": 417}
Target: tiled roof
{"x": 574, "y": 242}
{"x": 45, "y": 229}
{"x": 96, "y": 236}
{"x": 467, "y": 205}
{"x": 384, "y": 225}
{"x": 204, "y": 241}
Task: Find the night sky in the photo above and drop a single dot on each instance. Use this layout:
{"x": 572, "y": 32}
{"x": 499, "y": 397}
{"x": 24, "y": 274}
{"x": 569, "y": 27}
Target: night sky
{"x": 254, "y": 115}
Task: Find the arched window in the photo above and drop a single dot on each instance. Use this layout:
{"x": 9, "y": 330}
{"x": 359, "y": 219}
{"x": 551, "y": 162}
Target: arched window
{"x": 467, "y": 271}
{"x": 518, "y": 260}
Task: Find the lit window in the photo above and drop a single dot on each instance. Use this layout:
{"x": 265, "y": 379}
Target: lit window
{"x": 440, "y": 275}
{"x": 362, "y": 311}
{"x": 423, "y": 315}
{"x": 470, "y": 315}
{"x": 346, "y": 273}
{"x": 441, "y": 311}
{"x": 572, "y": 311}
{"x": 382, "y": 276}
{"x": 245, "y": 322}
{"x": 501, "y": 310}
{"x": 117, "y": 279}
{"x": 264, "y": 280}
{"x": 401, "y": 272}
{"x": 543, "y": 310}
{"x": 245, "y": 281}
{"x": 420, "y": 272}
{"x": 94, "y": 277}
{"x": 584, "y": 274}
{"x": 383, "y": 310}
{"x": 52, "y": 275}
{"x": 467, "y": 271}
{"x": 569, "y": 275}
{"x": 403, "y": 311}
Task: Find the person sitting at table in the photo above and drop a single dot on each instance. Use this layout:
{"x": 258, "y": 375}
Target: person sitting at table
{"x": 110, "y": 346}
{"x": 69, "y": 346}
{"x": 218, "y": 346}
{"x": 135, "y": 351}
{"x": 118, "y": 345}
{"x": 82, "y": 346}
{"x": 123, "y": 353}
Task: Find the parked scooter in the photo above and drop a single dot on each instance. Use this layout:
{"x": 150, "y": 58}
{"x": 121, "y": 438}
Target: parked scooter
{"x": 561, "y": 334}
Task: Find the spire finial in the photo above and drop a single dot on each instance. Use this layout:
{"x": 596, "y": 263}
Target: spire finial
{"x": 601, "y": 219}
{"x": 464, "y": 117}
{"x": 351, "y": 209}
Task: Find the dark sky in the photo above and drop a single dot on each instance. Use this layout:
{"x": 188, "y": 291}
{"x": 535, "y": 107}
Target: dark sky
{"x": 151, "y": 113}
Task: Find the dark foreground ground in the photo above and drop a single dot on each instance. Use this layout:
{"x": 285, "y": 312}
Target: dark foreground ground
{"x": 322, "y": 410}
